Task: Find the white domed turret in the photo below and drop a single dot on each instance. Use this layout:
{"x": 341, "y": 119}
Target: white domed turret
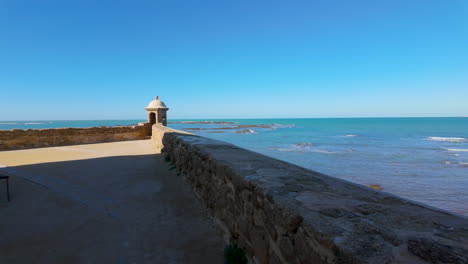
{"x": 157, "y": 112}
{"x": 156, "y": 104}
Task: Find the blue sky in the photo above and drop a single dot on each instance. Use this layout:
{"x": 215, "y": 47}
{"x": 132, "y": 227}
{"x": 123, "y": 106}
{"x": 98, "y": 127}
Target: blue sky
{"x": 90, "y": 59}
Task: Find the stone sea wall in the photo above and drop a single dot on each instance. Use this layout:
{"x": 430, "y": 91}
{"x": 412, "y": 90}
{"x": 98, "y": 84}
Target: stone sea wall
{"x": 37, "y": 138}
{"x": 282, "y": 213}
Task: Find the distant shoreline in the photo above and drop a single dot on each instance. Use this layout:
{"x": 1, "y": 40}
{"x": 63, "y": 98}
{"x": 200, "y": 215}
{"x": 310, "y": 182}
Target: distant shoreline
{"x": 230, "y": 118}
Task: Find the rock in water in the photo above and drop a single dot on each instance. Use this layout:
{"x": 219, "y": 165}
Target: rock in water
{"x": 375, "y": 187}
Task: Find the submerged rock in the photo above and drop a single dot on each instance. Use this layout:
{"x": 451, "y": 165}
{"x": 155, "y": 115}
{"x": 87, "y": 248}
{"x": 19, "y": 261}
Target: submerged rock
{"x": 375, "y": 187}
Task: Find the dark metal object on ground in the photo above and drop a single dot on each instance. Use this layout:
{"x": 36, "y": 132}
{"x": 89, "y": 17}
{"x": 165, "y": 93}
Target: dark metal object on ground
{"x": 5, "y": 177}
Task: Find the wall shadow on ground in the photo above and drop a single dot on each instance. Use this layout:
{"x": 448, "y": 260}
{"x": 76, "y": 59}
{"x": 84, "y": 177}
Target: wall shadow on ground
{"x": 120, "y": 209}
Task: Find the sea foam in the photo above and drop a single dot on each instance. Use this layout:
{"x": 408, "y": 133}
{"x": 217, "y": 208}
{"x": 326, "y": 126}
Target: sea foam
{"x": 245, "y": 131}
{"x": 448, "y": 139}
{"x": 305, "y": 147}
{"x": 458, "y": 150}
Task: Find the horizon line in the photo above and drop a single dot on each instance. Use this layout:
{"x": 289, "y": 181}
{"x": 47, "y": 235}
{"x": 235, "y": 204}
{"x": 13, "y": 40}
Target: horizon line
{"x": 233, "y": 118}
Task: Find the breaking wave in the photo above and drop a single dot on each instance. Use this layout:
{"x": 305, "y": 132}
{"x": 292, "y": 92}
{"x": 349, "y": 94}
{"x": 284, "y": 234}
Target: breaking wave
{"x": 305, "y": 147}
{"x": 283, "y": 126}
{"x": 246, "y": 131}
{"x": 304, "y": 150}
{"x": 458, "y": 150}
{"x": 276, "y": 126}
{"x": 448, "y": 139}
{"x": 464, "y": 164}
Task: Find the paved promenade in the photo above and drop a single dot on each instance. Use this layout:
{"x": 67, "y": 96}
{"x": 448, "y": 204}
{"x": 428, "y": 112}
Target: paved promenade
{"x": 101, "y": 203}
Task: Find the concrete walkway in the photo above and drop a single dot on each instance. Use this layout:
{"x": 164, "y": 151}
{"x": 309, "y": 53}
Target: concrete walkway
{"x": 101, "y": 203}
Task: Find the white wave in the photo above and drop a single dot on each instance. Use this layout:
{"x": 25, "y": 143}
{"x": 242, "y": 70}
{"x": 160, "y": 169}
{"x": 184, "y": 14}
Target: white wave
{"x": 299, "y": 148}
{"x": 246, "y": 131}
{"x": 304, "y": 145}
{"x": 275, "y": 126}
{"x": 3, "y": 166}
{"x": 448, "y": 139}
{"x": 323, "y": 151}
{"x": 459, "y": 163}
{"x": 8, "y": 123}
{"x": 289, "y": 150}
{"x": 350, "y": 135}
{"x": 33, "y": 123}
{"x": 458, "y": 150}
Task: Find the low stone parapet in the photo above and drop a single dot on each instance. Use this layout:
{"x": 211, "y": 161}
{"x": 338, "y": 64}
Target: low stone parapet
{"x": 38, "y": 138}
{"x": 282, "y": 213}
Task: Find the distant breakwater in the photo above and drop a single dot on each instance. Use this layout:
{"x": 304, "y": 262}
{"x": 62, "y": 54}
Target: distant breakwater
{"x": 37, "y": 138}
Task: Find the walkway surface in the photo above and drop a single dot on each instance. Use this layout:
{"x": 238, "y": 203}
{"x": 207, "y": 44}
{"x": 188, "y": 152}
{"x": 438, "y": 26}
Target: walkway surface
{"x": 101, "y": 203}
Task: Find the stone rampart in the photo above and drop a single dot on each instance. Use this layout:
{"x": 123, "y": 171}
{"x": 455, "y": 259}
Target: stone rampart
{"x": 282, "y": 213}
{"x": 37, "y": 138}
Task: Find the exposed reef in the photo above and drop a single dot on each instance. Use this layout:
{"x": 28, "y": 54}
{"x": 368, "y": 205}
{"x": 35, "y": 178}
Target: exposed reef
{"x": 203, "y": 122}
{"x": 228, "y": 127}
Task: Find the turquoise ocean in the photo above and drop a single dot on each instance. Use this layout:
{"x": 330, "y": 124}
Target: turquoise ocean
{"x": 421, "y": 159}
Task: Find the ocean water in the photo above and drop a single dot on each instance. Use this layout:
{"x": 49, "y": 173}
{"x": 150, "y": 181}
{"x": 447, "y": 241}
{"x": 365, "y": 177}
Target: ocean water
{"x": 422, "y": 159}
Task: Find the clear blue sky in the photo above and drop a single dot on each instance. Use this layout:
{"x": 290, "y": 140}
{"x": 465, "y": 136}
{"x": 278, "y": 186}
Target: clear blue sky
{"x": 89, "y": 59}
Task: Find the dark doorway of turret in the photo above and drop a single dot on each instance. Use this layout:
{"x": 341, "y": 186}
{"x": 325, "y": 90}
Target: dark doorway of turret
{"x": 152, "y": 118}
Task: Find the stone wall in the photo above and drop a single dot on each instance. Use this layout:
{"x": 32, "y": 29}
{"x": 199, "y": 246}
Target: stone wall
{"x": 282, "y": 213}
{"x": 147, "y": 127}
{"x": 36, "y": 138}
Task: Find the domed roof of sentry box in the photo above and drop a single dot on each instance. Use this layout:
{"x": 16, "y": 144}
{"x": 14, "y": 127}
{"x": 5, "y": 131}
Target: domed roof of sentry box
{"x": 156, "y": 104}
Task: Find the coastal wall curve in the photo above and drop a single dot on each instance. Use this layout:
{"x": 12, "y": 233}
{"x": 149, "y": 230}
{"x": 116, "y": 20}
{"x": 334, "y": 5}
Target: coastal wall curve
{"x": 38, "y": 138}
{"x": 282, "y": 213}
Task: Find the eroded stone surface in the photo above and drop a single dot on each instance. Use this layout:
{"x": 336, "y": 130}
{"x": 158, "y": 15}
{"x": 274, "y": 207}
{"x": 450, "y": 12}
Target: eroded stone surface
{"x": 436, "y": 252}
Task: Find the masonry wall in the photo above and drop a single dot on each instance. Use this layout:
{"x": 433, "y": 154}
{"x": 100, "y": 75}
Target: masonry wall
{"x": 282, "y": 213}
{"x": 36, "y": 138}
